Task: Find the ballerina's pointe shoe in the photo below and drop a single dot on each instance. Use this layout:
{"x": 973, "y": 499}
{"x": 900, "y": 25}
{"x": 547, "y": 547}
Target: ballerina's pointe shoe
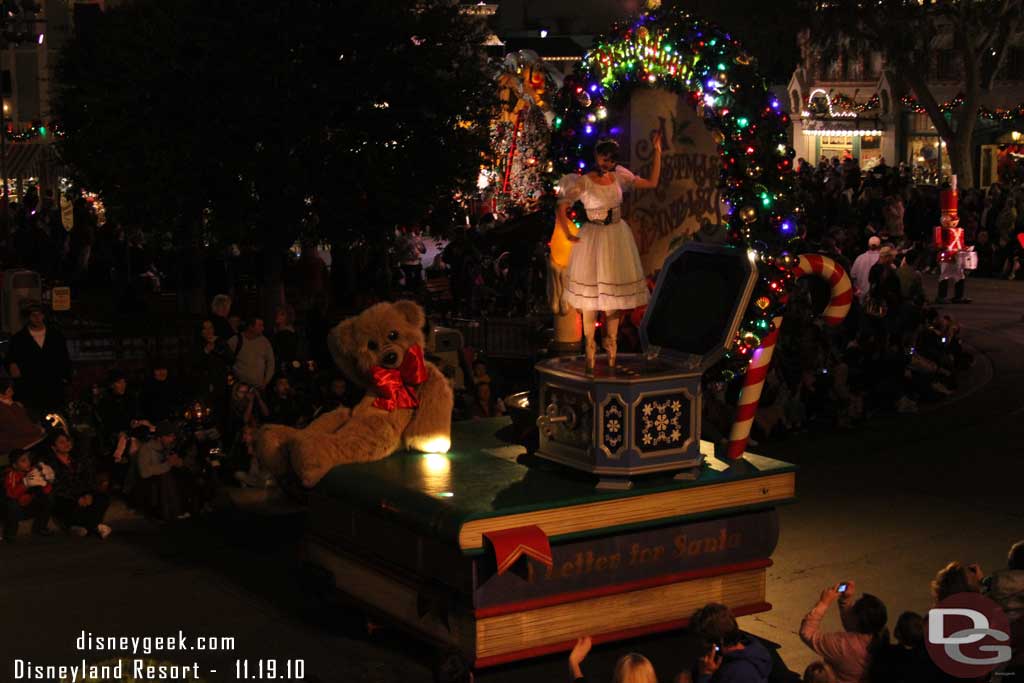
{"x": 612, "y": 347}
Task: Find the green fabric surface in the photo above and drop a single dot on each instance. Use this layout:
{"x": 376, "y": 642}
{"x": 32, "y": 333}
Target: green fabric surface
{"x": 440, "y": 493}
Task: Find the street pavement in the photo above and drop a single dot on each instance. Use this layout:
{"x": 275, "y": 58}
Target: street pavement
{"x": 885, "y": 505}
{"x": 892, "y": 502}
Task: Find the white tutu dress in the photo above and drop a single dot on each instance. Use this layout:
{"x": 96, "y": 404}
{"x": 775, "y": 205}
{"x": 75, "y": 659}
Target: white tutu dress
{"x": 605, "y": 272}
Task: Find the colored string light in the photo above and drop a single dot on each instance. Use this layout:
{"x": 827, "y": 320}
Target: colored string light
{"x": 672, "y": 50}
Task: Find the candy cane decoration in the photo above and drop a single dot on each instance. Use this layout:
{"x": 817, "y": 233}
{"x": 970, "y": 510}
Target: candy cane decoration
{"x": 753, "y": 383}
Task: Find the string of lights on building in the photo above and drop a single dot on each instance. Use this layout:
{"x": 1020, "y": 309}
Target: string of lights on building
{"x": 997, "y": 114}
{"x": 36, "y": 130}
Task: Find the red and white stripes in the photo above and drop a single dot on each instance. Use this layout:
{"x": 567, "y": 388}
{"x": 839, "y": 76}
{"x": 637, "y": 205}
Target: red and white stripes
{"x": 753, "y": 383}
{"x": 838, "y": 281}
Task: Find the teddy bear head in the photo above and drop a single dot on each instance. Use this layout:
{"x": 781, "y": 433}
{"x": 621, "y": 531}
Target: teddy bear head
{"x": 379, "y": 336}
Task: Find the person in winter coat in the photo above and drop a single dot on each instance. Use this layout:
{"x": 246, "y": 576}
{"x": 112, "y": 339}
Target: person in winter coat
{"x": 39, "y": 363}
{"x": 78, "y": 502}
{"x": 1006, "y": 588}
{"x": 731, "y": 656}
{"x": 116, "y": 410}
{"x": 893, "y": 214}
{"x": 26, "y": 496}
{"x": 161, "y": 396}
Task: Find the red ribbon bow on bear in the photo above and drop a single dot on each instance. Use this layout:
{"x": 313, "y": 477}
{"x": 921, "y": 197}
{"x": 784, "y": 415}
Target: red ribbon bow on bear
{"x": 396, "y": 387}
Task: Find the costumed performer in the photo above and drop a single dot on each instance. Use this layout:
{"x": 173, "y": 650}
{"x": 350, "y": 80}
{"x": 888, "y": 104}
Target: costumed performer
{"x": 949, "y": 241}
{"x": 605, "y": 272}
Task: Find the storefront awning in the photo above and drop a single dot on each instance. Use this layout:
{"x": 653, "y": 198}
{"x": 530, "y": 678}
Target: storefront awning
{"x": 838, "y": 128}
{"x": 22, "y": 160}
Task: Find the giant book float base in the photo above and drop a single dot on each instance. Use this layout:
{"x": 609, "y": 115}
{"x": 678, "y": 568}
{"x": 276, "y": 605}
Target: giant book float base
{"x": 473, "y": 550}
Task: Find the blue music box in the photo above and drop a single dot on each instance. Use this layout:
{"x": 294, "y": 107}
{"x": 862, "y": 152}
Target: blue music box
{"x": 643, "y": 416}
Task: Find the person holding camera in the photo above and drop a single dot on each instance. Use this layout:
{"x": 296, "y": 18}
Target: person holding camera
{"x": 162, "y": 468}
{"x": 848, "y": 652}
{"x": 730, "y": 656}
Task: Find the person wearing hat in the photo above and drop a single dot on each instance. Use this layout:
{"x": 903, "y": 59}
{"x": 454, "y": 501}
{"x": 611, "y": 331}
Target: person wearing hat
{"x": 161, "y": 468}
{"x": 116, "y": 411}
{"x": 862, "y": 266}
{"x": 161, "y": 395}
{"x": 38, "y": 362}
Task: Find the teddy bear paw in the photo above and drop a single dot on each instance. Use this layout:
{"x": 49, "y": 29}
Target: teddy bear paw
{"x": 272, "y": 446}
{"x": 430, "y": 444}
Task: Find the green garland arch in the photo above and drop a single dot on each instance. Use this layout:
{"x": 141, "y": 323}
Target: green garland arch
{"x": 678, "y": 52}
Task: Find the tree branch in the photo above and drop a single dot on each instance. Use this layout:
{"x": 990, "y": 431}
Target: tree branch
{"x": 913, "y": 80}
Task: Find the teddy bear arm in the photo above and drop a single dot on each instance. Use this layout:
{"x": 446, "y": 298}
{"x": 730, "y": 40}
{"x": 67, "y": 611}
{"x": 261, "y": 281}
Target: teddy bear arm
{"x": 330, "y": 421}
{"x": 430, "y": 430}
{"x": 271, "y": 447}
{"x": 363, "y": 439}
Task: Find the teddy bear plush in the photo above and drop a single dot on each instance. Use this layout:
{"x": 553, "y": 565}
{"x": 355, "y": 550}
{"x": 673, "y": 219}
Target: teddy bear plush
{"x": 408, "y": 402}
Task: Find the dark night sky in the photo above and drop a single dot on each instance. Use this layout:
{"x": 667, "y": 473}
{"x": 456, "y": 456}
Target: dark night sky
{"x": 768, "y": 30}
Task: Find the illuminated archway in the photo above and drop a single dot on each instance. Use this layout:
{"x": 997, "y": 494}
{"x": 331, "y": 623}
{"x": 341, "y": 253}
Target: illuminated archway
{"x": 704, "y": 64}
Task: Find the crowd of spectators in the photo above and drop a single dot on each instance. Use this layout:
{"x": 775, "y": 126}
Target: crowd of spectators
{"x": 861, "y": 652}
{"x": 164, "y": 441}
{"x": 898, "y": 347}
{"x": 479, "y": 270}
{"x": 894, "y": 351}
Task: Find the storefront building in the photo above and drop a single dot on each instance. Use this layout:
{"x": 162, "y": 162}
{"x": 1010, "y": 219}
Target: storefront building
{"x": 849, "y": 106}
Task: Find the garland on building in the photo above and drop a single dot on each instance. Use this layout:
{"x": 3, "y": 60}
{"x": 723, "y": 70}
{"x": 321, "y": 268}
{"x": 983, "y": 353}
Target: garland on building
{"x": 675, "y": 51}
{"x": 36, "y": 130}
{"x": 849, "y": 104}
{"x": 997, "y": 114}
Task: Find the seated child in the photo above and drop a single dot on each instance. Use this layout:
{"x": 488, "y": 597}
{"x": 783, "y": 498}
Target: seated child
{"x": 27, "y": 495}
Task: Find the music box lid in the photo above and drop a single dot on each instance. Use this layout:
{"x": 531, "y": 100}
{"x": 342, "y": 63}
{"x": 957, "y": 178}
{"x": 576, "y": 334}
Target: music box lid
{"x": 698, "y": 303}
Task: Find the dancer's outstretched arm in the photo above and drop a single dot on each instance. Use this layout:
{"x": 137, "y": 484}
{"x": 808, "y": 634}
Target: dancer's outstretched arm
{"x": 652, "y": 182}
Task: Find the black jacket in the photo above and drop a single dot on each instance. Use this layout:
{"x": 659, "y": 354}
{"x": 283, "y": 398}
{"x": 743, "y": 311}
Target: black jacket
{"x": 75, "y": 480}
{"x": 44, "y": 371}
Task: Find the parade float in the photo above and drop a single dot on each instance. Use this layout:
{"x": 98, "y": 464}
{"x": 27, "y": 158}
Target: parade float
{"x": 624, "y": 521}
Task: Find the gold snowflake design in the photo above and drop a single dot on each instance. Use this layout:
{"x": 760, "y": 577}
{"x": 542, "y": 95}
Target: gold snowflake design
{"x": 614, "y": 425}
{"x": 661, "y": 422}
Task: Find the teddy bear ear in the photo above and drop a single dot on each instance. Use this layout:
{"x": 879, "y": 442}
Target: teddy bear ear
{"x": 342, "y": 337}
{"x": 341, "y": 342}
{"x": 413, "y": 312}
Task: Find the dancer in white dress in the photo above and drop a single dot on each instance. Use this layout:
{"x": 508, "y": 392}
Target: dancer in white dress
{"x": 605, "y": 273}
